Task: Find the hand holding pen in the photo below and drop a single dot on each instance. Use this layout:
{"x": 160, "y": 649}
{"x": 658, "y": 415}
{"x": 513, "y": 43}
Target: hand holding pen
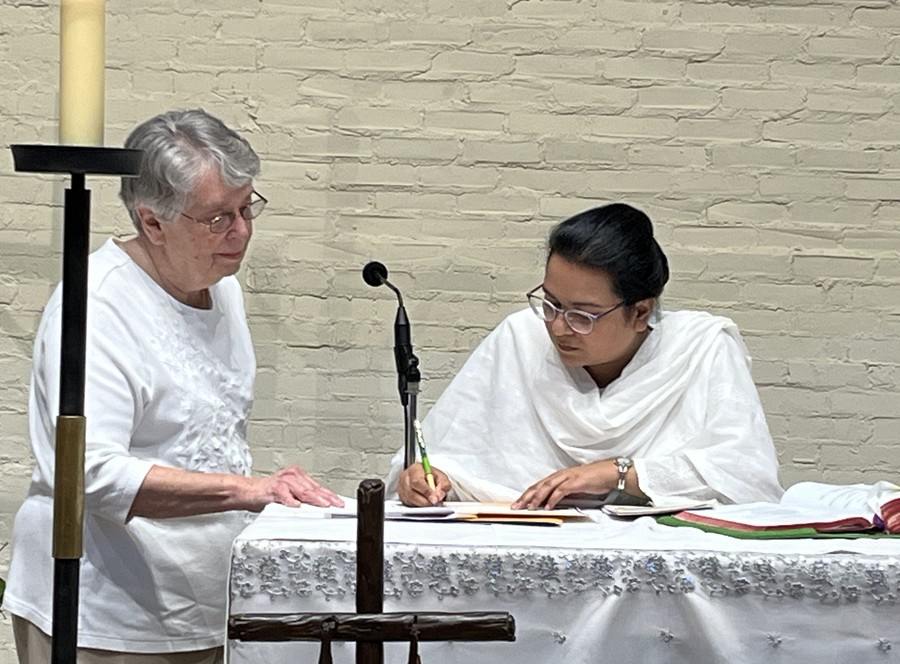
{"x": 414, "y": 487}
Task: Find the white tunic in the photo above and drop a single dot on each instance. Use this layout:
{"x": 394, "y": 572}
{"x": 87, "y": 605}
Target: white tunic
{"x": 166, "y": 384}
{"x": 685, "y": 409}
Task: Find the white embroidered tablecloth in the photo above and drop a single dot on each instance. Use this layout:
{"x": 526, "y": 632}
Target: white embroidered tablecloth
{"x": 611, "y": 591}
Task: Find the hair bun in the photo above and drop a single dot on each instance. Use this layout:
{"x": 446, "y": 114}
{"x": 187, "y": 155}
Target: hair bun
{"x": 616, "y": 239}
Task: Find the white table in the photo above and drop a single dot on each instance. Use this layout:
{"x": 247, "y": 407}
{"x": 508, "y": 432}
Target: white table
{"x": 611, "y": 591}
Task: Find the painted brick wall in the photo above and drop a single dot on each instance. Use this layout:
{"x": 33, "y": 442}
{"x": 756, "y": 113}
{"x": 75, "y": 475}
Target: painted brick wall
{"x": 445, "y": 137}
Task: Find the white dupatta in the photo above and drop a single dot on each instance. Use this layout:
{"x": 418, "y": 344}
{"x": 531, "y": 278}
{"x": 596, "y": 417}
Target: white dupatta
{"x": 685, "y": 409}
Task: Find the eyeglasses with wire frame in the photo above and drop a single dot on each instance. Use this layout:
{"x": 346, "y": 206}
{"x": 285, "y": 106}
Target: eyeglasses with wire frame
{"x": 222, "y": 222}
{"x": 580, "y": 322}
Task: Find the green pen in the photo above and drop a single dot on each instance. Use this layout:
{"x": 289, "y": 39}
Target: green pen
{"x": 420, "y": 440}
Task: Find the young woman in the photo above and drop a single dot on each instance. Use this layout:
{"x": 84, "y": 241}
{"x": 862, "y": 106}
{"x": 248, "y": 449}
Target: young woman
{"x": 594, "y": 388}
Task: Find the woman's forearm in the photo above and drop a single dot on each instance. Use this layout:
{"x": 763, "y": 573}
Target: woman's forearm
{"x": 172, "y": 492}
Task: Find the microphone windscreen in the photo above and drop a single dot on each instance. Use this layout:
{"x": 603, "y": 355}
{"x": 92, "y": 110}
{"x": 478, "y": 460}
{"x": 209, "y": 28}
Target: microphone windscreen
{"x": 374, "y": 273}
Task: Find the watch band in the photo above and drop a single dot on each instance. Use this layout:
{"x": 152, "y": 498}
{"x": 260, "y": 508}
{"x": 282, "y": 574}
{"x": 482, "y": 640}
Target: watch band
{"x": 622, "y": 465}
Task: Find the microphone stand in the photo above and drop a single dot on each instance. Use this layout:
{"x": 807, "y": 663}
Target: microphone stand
{"x": 408, "y": 376}
{"x": 408, "y": 379}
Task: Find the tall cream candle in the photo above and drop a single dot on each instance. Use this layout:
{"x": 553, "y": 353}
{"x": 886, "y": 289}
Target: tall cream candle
{"x": 82, "y": 50}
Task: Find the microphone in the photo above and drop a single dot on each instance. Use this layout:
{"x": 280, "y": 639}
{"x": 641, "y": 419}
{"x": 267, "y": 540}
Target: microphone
{"x": 375, "y": 274}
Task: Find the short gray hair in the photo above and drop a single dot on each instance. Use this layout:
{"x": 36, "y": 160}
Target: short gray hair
{"x": 178, "y": 148}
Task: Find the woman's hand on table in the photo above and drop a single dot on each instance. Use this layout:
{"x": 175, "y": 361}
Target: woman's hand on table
{"x": 173, "y": 492}
{"x": 290, "y": 486}
{"x": 413, "y": 488}
{"x": 599, "y": 477}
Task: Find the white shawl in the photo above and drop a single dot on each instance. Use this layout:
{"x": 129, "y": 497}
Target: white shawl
{"x": 685, "y": 409}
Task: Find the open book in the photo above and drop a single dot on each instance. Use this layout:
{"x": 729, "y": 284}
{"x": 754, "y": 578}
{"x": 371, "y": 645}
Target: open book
{"x": 825, "y": 508}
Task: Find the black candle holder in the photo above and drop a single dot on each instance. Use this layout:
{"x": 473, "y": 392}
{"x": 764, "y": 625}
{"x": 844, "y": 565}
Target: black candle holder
{"x": 73, "y": 159}
{"x": 68, "y": 495}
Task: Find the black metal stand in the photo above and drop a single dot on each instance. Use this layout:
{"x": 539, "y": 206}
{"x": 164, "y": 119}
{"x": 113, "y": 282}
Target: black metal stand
{"x": 408, "y": 379}
{"x": 68, "y": 502}
{"x": 410, "y": 414}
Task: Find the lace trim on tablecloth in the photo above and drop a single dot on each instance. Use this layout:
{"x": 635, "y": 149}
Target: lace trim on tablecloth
{"x": 326, "y": 570}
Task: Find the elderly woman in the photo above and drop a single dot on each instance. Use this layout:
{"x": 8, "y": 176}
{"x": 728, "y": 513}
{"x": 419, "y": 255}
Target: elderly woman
{"x": 593, "y": 389}
{"x": 170, "y": 370}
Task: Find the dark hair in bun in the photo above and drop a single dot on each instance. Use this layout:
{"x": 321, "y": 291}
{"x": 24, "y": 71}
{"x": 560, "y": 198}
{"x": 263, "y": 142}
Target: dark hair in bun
{"x": 616, "y": 239}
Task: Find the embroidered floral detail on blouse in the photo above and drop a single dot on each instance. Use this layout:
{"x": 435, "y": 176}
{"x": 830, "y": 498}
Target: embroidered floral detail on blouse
{"x": 559, "y": 637}
{"x": 215, "y": 398}
{"x": 774, "y": 640}
{"x": 666, "y": 635}
{"x": 324, "y": 570}
{"x": 884, "y": 645}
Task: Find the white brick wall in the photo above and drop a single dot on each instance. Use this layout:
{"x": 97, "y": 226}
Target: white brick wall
{"x": 445, "y": 137}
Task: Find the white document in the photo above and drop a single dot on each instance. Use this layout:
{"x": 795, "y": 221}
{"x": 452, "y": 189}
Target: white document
{"x": 394, "y": 510}
{"x": 659, "y": 507}
{"x": 470, "y": 509}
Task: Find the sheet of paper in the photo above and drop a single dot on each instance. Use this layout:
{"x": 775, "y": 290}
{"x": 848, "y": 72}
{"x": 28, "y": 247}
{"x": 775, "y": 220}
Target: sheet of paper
{"x": 307, "y": 511}
{"x": 394, "y": 510}
{"x": 504, "y": 510}
{"x": 667, "y": 507}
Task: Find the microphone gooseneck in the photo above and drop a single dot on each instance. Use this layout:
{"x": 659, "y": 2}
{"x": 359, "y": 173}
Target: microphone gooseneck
{"x": 375, "y": 274}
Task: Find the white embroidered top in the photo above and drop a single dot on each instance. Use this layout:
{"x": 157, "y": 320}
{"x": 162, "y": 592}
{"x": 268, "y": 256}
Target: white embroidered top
{"x": 166, "y": 384}
{"x": 685, "y": 409}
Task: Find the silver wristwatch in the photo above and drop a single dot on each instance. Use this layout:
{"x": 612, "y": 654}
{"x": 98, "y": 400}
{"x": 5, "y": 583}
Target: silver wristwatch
{"x": 622, "y": 465}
